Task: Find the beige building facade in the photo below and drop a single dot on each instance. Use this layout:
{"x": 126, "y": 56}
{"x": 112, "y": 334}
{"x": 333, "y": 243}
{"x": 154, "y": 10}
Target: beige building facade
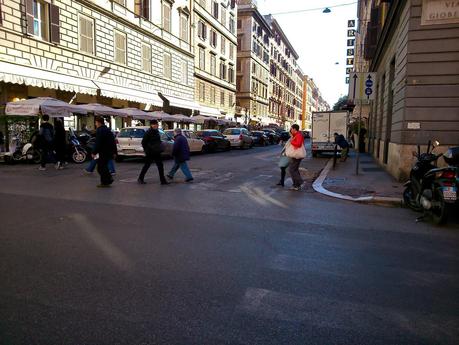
{"x": 253, "y": 34}
{"x": 215, "y": 47}
{"x": 413, "y": 46}
{"x": 121, "y": 53}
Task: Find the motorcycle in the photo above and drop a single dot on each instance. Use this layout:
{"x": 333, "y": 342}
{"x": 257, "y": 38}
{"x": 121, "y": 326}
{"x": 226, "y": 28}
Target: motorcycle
{"x": 25, "y": 152}
{"x": 75, "y": 149}
{"x": 433, "y": 190}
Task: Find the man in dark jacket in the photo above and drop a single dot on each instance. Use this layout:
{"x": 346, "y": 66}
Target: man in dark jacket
{"x": 46, "y": 139}
{"x": 181, "y": 154}
{"x": 151, "y": 144}
{"x": 342, "y": 142}
{"x": 105, "y": 149}
{"x": 60, "y": 142}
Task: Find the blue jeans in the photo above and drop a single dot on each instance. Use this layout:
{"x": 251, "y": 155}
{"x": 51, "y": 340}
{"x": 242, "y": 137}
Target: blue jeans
{"x": 184, "y": 167}
{"x": 92, "y": 166}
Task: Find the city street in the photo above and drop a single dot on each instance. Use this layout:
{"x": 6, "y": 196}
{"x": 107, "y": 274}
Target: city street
{"x": 228, "y": 259}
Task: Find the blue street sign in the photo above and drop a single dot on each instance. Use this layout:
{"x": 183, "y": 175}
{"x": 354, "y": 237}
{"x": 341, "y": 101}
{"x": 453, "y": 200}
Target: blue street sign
{"x": 369, "y": 83}
{"x": 368, "y": 91}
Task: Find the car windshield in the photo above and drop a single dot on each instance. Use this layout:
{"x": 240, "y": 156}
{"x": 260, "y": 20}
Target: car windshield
{"x": 124, "y": 133}
{"x": 233, "y": 131}
{"x": 137, "y": 133}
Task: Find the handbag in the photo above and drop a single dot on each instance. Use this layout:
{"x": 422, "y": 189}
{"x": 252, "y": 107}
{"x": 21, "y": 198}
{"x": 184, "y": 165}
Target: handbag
{"x": 296, "y": 153}
{"x": 284, "y": 161}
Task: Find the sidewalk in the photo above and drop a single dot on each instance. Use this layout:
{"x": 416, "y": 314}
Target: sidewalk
{"x": 372, "y": 185}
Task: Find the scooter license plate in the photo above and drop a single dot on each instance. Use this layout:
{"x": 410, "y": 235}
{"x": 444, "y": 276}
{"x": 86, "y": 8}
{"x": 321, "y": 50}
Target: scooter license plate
{"x": 450, "y": 193}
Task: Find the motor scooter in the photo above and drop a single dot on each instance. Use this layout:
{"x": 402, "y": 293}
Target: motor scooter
{"x": 75, "y": 149}
{"x": 23, "y": 152}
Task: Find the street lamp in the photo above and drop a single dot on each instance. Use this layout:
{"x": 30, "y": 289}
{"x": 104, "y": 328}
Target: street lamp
{"x": 326, "y": 10}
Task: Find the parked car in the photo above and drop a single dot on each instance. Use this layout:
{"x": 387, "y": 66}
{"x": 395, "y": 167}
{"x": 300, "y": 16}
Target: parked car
{"x": 129, "y": 142}
{"x": 272, "y": 135}
{"x": 194, "y": 142}
{"x": 213, "y": 140}
{"x": 306, "y": 134}
{"x": 239, "y": 137}
{"x": 259, "y": 138}
{"x": 284, "y": 135}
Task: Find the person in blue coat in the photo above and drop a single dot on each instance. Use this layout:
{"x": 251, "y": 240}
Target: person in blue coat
{"x": 181, "y": 154}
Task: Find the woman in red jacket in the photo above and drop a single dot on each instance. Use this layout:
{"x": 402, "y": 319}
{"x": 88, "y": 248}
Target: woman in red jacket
{"x": 297, "y": 142}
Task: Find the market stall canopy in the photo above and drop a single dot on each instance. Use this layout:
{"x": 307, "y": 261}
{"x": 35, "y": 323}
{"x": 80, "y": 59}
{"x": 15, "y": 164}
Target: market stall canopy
{"x": 135, "y": 113}
{"x": 180, "y": 102}
{"x": 159, "y": 115}
{"x": 43, "y": 106}
{"x": 100, "y": 109}
{"x": 200, "y": 119}
{"x": 183, "y": 118}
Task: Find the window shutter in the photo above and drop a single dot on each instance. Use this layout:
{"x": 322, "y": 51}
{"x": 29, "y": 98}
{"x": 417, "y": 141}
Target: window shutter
{"x": 1, "y": 15}
{"x": 146, "y": 9}
{"x": 54, "y": 23}
{"x": 29, "y": 16}
{"x": 138, "y": 7}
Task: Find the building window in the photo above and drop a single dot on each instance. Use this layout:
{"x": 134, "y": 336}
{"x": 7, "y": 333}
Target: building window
{"x": 222, "y": 71}
{"x": 167, "y": 65}
{"x": 213, "y": 38}
{"x": 184, "y": 28}
{"x": 146, "y": 57}
{"x": 120, "y": 47}
{"x": 223, "y": 16}
{"x": 215, "y": 9}
{"x": 231, "y": 51}
{"x": 223, "y": 45}
{"x": 86, "y": 34}
{"x": 141, "y": 8}
{"x": 202, "y": 59}
{"x": 184, "y": 73}
{"x": 213, "y": 65}
{"x": 38, "y": 19}
{"x": 202, "y": 91}
{"x": 231, "y": 24}
{"x": 230, "y": 100}
{"x": 239, "y": 43}
{"x": 222, "y": 98}
{"x": 212, "y": 95}
{"x": 202, "y": 30}
{"x": 166, "y": 7}
{"x": 231, "y": 75}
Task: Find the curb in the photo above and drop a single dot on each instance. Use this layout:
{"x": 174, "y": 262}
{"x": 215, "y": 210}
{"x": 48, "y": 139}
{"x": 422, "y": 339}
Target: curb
{"x": 374, "y": 200}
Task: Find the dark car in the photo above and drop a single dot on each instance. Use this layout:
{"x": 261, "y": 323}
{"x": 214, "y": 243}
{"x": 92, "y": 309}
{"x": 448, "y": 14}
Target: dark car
{"x": 306, "y": 134}
{"x": 213, "y": 140}
{"x": 272, "y": 136}
{"x": 284, "y": 135}
{"x": 259, "y": 138}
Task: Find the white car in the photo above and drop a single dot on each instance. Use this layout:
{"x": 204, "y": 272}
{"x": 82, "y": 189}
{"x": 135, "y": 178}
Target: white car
{"x": 195, "y": 144}
{"x": 239, "y": 137}
{"x": 129, "y": 142}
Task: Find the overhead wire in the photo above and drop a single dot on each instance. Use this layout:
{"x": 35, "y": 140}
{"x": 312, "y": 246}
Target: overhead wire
{"x": 314, "y": 9}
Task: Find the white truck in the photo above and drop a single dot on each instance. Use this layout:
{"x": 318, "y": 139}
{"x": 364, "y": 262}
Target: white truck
{"x": 324, "y": 125}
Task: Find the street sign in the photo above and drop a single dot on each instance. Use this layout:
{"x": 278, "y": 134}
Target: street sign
{"x": 351, "y": 33}
{"x": 351, "y": 23}
{"x": 361, "y": 86}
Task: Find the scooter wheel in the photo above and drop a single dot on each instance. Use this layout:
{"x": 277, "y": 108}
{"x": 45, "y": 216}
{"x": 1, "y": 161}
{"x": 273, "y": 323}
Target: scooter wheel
{"x": 409, "y": 199}
{"x": 439, "y": 210}
{"x": 79, "y": 157}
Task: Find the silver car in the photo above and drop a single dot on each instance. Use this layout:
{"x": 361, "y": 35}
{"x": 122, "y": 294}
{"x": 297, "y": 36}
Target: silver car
{"x": 129, "y": 142}
{"x": 239, "y": 137}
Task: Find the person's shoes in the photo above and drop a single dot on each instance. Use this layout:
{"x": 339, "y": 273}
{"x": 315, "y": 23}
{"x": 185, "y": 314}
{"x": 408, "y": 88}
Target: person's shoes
{"x": 189, "y": 180}
{"x": 103, "y": 186}
{"x": 139, "y": 181}
{"x": 57, "y": 166}
{"x": 113, "y": 173}
{"x": 41, "y": 168}
{"x": 87, "y": 172}
{"x": 61, "y": 167}
{"x": 165, "y": 183}
{"x": 170, "y": 177}
{"x": 280, "y": 184}
{"x": 295, "y": 188}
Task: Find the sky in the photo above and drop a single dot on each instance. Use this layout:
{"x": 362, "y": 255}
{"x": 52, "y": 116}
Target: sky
{"x": 319, "y": 39}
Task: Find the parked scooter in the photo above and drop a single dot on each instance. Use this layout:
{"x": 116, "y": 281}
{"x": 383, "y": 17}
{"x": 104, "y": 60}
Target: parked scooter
{"x": 433, "y": 190}
{"x": 75, "y": 149}
{"x": 25, "y": 152}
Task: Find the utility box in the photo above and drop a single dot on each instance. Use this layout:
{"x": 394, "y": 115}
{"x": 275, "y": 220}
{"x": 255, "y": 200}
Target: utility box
{"x": 324, "y": 125}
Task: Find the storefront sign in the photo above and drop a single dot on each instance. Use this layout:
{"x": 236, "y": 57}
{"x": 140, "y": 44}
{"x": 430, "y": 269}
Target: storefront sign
{"x": 440, "y": 12}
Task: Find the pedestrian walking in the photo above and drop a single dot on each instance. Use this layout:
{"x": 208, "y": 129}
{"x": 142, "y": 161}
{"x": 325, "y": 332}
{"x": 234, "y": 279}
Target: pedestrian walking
{"x": 342, "y": 142}
{"x": 284, "y": 161}
{"x": 46, "y": 139}
{"x": 296, "y": 152}
{"x": 104, "y": 150}
{"x": 181, "y": 154}
{"x": 93, "y": 163}
{"x": 152, "y": 147}
{"x": 60, "y": 143}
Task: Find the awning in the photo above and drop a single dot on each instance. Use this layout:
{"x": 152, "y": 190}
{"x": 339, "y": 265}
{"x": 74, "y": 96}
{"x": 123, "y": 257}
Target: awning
{"x": 208, "y": 111}
{"x": 33, "y": 76}
{"x": 181, "y": 102}
{"x": 42, "y": 106}
{"x": 128, "y": 94}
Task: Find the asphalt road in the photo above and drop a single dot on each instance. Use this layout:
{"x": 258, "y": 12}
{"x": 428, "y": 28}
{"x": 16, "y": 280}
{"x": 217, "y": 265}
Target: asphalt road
{"x": 228, "y": 259}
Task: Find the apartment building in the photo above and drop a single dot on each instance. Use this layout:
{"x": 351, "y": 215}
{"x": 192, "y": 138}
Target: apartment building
{"x": 413, "y": 47}
{"x": 283, "y": 64}
{"x": 120, "y": 53}
{"x": 252, "y": 78}
{"x": 298, "y": 101}
{"x": 215, "y": 45}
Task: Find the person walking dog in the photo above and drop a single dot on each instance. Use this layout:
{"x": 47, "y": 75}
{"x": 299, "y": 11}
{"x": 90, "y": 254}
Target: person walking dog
{"x": 151, "y": 144}
{"x": 104, "y": 150}
{"x": 181, "y": 154}
{"x": 296, "y": 152}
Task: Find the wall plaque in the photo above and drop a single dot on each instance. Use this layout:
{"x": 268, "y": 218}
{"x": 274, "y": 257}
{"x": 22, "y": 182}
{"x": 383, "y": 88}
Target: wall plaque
{"x": 440, "y": 12}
